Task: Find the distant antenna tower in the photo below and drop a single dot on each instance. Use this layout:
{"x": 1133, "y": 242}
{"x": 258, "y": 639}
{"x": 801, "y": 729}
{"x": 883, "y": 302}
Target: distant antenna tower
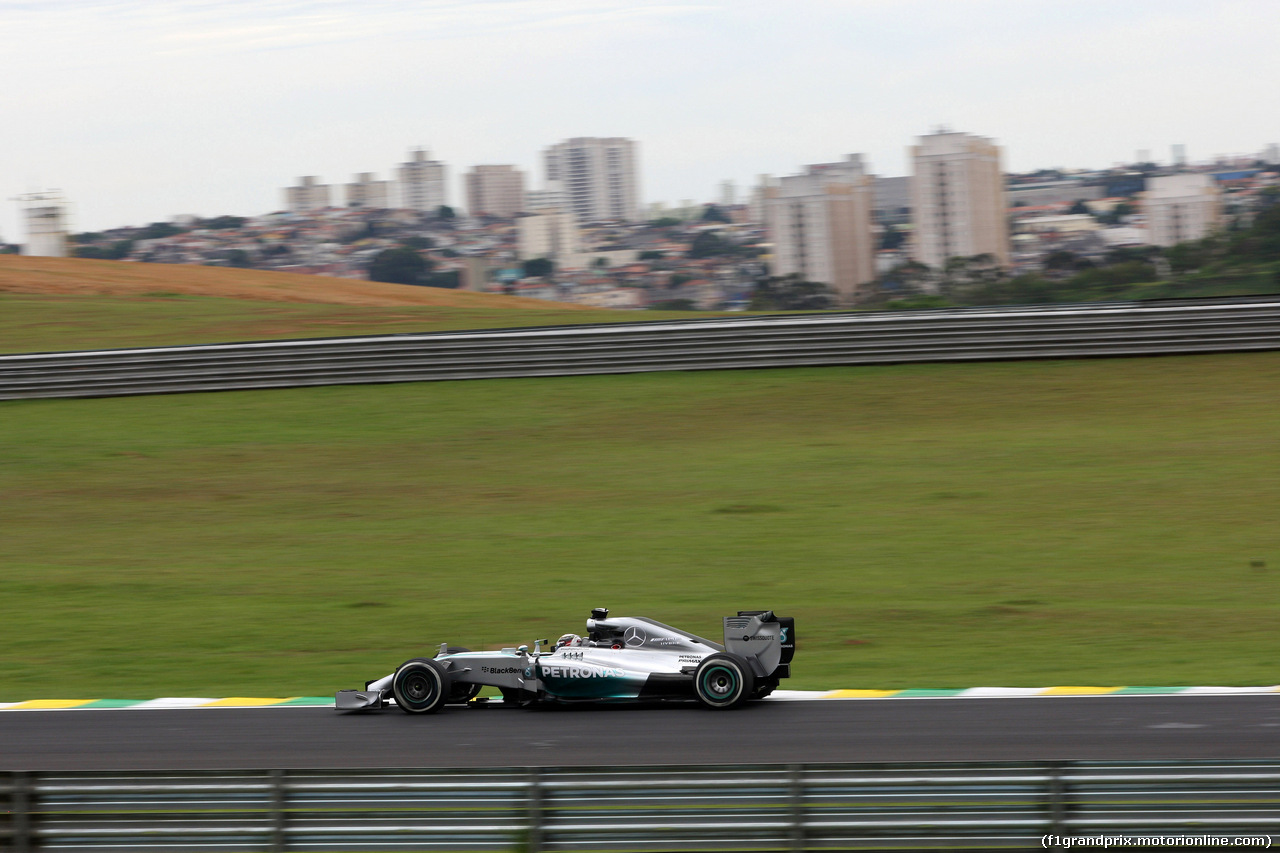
{"x": 46, "y": 218}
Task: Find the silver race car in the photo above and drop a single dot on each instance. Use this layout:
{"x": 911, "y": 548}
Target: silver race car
{"x": 620, "y": 659}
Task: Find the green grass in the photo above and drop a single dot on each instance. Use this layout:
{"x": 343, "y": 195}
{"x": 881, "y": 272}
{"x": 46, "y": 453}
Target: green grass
{"x": 44, "y": 323}
{"x": 1107, "y": 522}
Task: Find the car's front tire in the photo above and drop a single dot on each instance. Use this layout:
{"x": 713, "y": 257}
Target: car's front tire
{"x": 421, "y": 686}
{"x": 723, "y": 681}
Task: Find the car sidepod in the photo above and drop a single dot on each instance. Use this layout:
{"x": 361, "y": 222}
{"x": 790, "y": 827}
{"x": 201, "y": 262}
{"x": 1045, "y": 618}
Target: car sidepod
{"x": 613, "y": 674}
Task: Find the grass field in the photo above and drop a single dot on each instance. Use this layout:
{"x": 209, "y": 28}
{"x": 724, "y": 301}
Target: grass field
{"x": 43, "y": 323}
{"x": 49, "y": 304}
{"x": 1108, "y": 522}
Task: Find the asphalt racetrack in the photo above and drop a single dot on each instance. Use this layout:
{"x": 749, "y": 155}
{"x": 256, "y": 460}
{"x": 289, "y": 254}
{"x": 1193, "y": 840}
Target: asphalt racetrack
{"x": 769, "y": 732}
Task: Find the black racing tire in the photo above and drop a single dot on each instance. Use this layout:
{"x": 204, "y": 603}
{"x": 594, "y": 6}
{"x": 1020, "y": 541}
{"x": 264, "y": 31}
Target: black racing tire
{"x": 421, "y": 686}
{"x": 723, "y": 681}
{"x": 461, "y": 693}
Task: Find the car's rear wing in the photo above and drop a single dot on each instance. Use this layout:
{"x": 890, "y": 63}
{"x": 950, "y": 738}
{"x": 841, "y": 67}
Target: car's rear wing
{"x": 768, "y": 642}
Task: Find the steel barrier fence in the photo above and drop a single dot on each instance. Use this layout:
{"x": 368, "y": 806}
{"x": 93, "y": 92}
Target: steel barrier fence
{"x": 1098, "y": 329}
{"x": 743, "y": 807}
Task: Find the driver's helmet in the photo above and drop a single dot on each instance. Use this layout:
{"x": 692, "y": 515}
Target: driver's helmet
{"x": 568, "y": 640}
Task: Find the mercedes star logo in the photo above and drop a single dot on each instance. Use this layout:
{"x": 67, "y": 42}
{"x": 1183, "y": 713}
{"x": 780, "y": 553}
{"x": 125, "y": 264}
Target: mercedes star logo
{"x": 634, "y": 637}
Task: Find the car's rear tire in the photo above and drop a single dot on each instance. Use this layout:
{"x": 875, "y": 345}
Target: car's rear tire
{"x": 723, "y": 681}
{"x": 421, "y": 686}
{"x": 461, "y": 692}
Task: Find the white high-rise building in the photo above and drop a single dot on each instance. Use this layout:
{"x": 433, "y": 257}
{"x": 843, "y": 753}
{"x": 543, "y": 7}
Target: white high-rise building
{"x": 957, "y": 199}
{"x": 820, "y": 225}
{"x": 600, "y": 177}
{"x": 422, "y": 182}
{"x": 367, "y": 191}
{"x": 46, "y": 219}
{"x": 1179, "y": 208}
{"x": 495, "y": 191}
{"x": 728, "y": 193}
{"x": 548, "y": 198}
{"x": 551, "y": 234}
{"x": 755, "y": 204}
{"x": 308, "y": 195}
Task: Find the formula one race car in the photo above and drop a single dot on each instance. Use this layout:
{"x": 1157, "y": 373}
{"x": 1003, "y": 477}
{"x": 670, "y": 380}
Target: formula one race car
{"x": 621, "y": 659}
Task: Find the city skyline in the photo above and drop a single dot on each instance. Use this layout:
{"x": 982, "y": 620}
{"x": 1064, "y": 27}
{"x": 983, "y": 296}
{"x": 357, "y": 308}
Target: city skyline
{"x": 140, "y": 111}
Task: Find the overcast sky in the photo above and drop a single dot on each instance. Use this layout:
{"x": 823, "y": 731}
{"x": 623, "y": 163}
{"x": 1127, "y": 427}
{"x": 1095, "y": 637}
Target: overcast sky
{"x": 140, "y": 110}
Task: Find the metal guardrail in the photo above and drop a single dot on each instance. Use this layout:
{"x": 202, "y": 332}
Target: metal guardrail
{"x": 763, "y": 807}
{"x": 1071, "y": 331}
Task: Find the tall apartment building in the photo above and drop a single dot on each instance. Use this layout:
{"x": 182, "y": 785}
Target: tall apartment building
{"x": 495, "y": 191}
{"x": 422, "y": 182}
{"x": 820, "y": 225}
{"x": 551, "y": 234}
{"x": 1179, "y": 208}
{"x": 551, "y": 196}
{"x": 367, "y": 191}
{"x": 957, "y": 198}
{"x": 600, "y": 177}
{"x": 308, "y": 195}
{"x": 759, "y": 193}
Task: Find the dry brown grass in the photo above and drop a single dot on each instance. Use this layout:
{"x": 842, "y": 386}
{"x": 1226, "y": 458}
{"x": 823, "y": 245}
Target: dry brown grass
{"x": 82, "y": 277}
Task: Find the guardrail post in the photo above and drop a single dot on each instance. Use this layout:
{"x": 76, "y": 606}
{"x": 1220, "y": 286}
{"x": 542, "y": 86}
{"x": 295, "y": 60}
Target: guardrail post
{"x": 21, "y": 800}
{"x": 533, "y": 837}
{"x": 277, "y": 810}
{"x": 795, "y": 781}
{"x": 1057, "y": 799}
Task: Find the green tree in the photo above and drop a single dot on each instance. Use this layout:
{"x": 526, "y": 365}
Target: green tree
{"x": 674, "y": 305}
{"x": 714, "y": 213}
{"x": 1108, "y": 280}
{"x": 399, "y": 266}
{"x": 223, "y": 223}
{"x": 158, "y": 230}
{"x": 537, "y": 268}
{"x": 445, "y": 212}
{"x": 239, "y": 258}
{"x": 1116, "y": 214}
{"x": 790, "y": 293}
{"x": 1124, "y": 254}
{"x": 892, "y": 238}
{"x": 1185, "y": 257}
{"x": 665, "y": 222}
{"x": 116, "y": 251}
{"x": 963, "y": 274}
{"x": 651, "y": 255}
{"x": 709, "y": 244}
{"x": 1060, "y": 260}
